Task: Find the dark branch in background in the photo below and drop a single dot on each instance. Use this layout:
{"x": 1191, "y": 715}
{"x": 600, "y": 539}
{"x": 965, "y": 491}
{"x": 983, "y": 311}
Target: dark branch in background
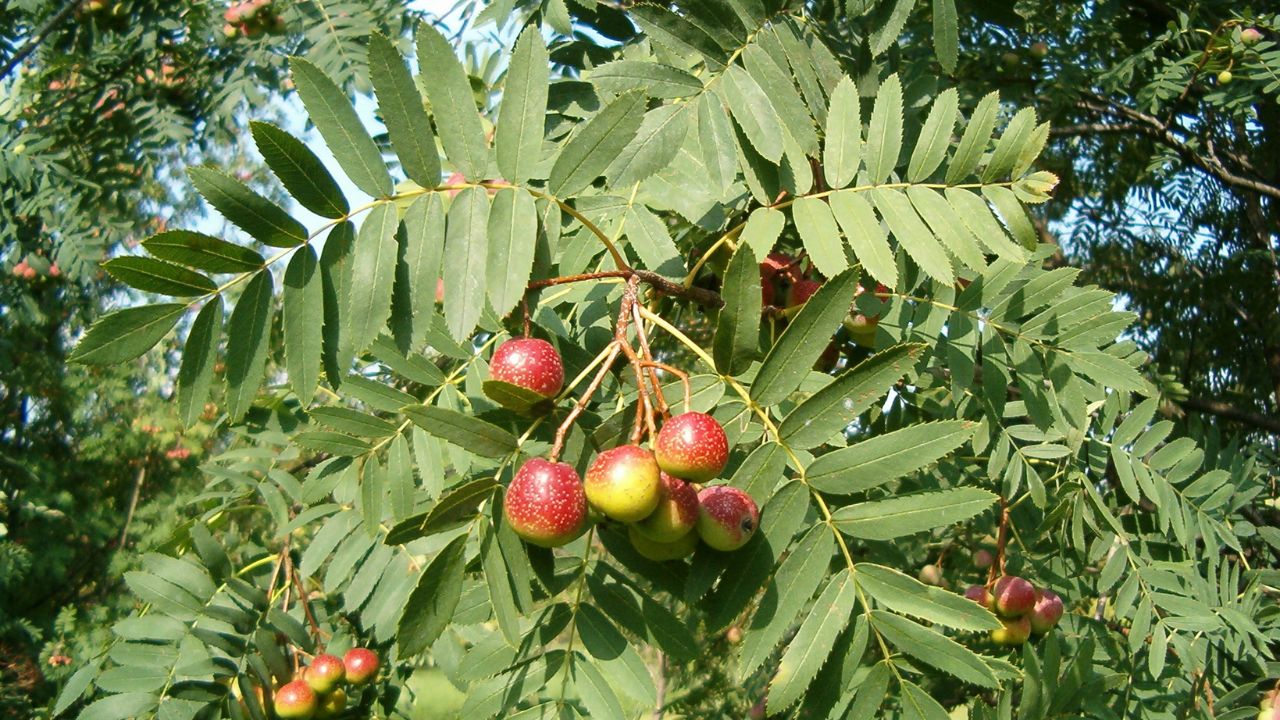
{"x": 1164, "y": 133}
{"x": 1232, "y": 412}
{"x": 30, "y": 46}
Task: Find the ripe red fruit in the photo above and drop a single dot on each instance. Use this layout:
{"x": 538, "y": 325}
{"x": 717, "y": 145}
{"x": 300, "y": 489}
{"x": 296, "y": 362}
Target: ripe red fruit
{"x": 766, "y": 290}
{"x": 692, "y": 446}
{"x": 676, "y": 514}
{"x": 530, "y": 363}
{"x": 780, "y": 265}
{"x": 333, "y": 704}
{"x": 623, "y": 483}
{"x": 979, "y": 594}
{"x": 295, "y": 699}
{"x": 801, "y": 291}
{"x": 545, "y": 504}
{"x": 1015, "y": 631}
{"x": 1046, "y": 612}
{"x": 727, "y": 517}
{"x": 361, "y": 665}
{"x": 325, "y": 672}
{"x": 1012, "y": 596}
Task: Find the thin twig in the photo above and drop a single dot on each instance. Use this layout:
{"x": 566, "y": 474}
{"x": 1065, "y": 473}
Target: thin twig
{"x": 579, "y": 406}
{"x": 38, "y": 37}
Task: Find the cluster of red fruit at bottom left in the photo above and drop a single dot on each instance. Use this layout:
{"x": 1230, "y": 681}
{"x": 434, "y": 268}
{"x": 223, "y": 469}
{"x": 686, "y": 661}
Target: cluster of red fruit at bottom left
{"x": 317, "y": 691}
{"x": 654, "y": 492}
{"x": 1024, "y": 609}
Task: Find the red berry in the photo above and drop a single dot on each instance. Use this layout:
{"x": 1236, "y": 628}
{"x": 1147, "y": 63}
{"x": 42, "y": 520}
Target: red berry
{"x": 801, "y": 291}
{"x": 624, "y": 483}
{"x": 325, "y": 672}
{"x": 545, "y": 504}
{"x": 692, "y": 446}
{"x": 676, "y": 514}
{"x": 727, "y": 517}
{"x": 1047, "y": 611}
{"x": 530, "y": 363}
{"x": 978, "y": 594}
{"x": 1012, "y": 596}
{"x": 295, "y": 699}
{"x": 361, "y": 665}
{"x": 782, "y": 265}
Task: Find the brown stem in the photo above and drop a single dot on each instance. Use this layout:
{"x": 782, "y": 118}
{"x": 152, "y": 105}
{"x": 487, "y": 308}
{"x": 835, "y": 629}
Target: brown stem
{"x": 647, "y": 354}
{"x": 524, "y": 304}
{"x": 133, "y": 503}
{"x": 1001, "y": 540}
{"x": 682, "y": 375}
{"x": 662, "y": 686}
{"x": 579, "y": 406}
{"x": 644, "y": 406}
{"x": 702, "y": 296}
{"x": 306, "y": 604}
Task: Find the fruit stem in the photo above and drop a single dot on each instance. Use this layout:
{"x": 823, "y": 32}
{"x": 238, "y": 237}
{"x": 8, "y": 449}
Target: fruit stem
{"x": 648, "y": 362}
{"x": 644, "y": 407}
{"x": 1002, "y": 538}
{"x": 582, "y": 401}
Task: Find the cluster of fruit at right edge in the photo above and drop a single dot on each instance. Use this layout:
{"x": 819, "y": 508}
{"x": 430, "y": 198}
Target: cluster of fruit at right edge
{"x": 653, "y": 492}
{"x": 317, "y": 691}
{"x": 251, "y": 18}
{"x": 1024, "y": 609}
{"x": 1267, "y": 709}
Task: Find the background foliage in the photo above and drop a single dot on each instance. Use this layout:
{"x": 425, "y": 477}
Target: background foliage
{"x": 1155, "y": 527}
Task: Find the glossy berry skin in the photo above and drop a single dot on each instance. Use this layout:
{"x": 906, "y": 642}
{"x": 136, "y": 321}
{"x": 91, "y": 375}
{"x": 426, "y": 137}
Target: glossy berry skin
{"x": 727, "y": 517}
{"x": 545, "y": 504}
{"x": 333, "y": 704}
{"x": 1250, "y": 36}
{"x": 660, "y": 551}
{"x": 361, "y": 664}
{"x": 1012, "y": 596}
{"x": 979, "y": 594}
{"x": 692, "y": 446}
{"x": 624, "y": 483}
{"x": 676, "y": 514}
{"x": 325, "y": 672}
{"x": 1015, "y": 631}
{"x": 295, "y": 699}
{"x": 1225, "y": 77}
{"x": 529, "y": 363}
{"x": 801, "y": 291}
{"x": 1046, "y": 613}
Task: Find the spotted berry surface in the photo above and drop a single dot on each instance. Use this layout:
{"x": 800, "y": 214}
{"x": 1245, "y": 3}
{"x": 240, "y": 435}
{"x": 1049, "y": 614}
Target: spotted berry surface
{"x": 676, "y": 514}
{"x": 623, "y": 483}
{"x": 325, "y": 672}
{"x": 530, "y": 363}
{"x": 727, "y": 517}
{"x": 1013, "y": 596}
{"x": 545, "y": 504}
{"x": 1047, "y": 611}
{"x": 692, "y": 446}
{"x": 295, "y": 699}
{"x": 361, "y": 665}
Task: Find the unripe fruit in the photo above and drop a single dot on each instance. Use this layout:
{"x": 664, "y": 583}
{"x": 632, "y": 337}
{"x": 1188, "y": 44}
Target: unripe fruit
{"x": 1224, "y": 77}
{"x": 295, "y": 699}
{"x": 727, "y": 517}
{"x": 230, "y": 31}
{"x": 1012, "y": 596}
{"x": 333, "y": 704}
{"x": 660, "y": 552}
{"x": 979, "y": 594}
{"x": 545, "y": 504}
{"x": 692, "y": 446}
{"x": 801, "y": 291}
{"x": 1010, "y": 59}
{"x": 623, "y": 483}
{"x": 361, "y": 665}
{"x": 1268, "y": 714}
{"x": 529, "y": 363}
{"x": 733, "y": 635}
{"x": 1039, "y": 50}
{"x": 983, "y": 559}
{"x": 1015, "y": 631}
{"x": 931, "y": 575}
{"x": 325, "y": 672}
{"x": 1046, "y": 612}
{"x": 1250, "y": 36}
{"x": 676, "y": 514}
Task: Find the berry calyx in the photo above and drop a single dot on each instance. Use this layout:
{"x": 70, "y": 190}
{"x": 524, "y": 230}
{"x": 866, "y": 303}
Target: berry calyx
{"x": 727, "y": 517}
{"x": 660, "y": 551}
{"x": 1012, "y": 596}
{"x": 361, "y": 665}
{"x": 692, "y": 446}
{"x": 295, "y": 699}
{"x": 1047, "y": 611}
{"x": 1013, "y": 631}
{"x": 530, "y": 363}
{"x": 545, "y": 504}
{"x": 623, "y": 483}
{"x": 325, "y": 672}
{"x": 676, "y": 514}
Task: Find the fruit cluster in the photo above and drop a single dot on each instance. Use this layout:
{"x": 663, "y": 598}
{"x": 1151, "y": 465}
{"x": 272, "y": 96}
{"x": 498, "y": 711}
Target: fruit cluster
{"x": 652, "y": 491}
{"x": 317, "y": 691}
{"x": 795, "y": 281}
{"x": 1024, "y": 609}
{"x": 252, "y": 18}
